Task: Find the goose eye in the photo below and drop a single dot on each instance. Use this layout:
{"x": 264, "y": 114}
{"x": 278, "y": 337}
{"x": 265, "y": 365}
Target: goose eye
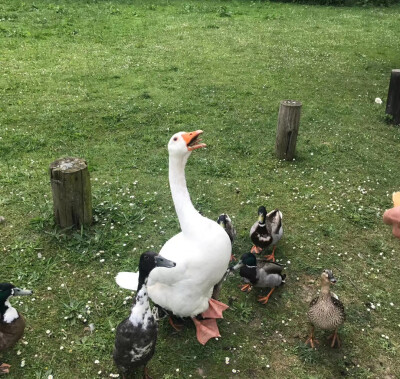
{"x": 176, "y": 138}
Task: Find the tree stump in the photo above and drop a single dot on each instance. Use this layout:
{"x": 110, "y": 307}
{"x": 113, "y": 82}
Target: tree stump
{"x": 288, "y": 128}
{"x": 72, "y": 199}
{"x": 393, "y": 99}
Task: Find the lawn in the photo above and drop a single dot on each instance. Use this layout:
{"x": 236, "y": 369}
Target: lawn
{"x": 111, "y": 81}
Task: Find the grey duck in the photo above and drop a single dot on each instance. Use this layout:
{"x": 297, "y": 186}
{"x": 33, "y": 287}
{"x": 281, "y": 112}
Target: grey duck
{"x": 263, "y": 275}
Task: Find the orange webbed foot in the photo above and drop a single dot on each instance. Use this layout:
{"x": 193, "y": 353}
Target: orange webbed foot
{"x": 4, "y": 368}
{"x": 245, "y": 287}
{"x": 233, "y": 258}
{"x": 264, "y": 299}
{"x": 271, "y": 257}
{"x": 256, "y": 250}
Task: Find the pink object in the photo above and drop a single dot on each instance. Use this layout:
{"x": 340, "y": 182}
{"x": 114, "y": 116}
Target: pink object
{"x": 392, "y": 217}
{"x": 208, "y": 328}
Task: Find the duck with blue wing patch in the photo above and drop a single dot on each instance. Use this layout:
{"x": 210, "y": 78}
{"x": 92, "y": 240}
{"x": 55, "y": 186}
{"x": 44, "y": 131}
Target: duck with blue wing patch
{"x": 136, "y": 336}
{"x": 12, "y": 323}
{"x": 262, "y": 275}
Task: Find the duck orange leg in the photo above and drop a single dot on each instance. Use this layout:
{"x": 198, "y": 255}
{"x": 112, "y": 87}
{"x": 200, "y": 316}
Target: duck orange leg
{"x": 335, "y": 338}
{"x": 264, "y": 300}
{"x": 4, "y": 368}
{"x": 256, "y": 250}
{"x": 245, "y": 287}
{"x": 311, "y": 340}
{"x": 178, "y": 328}
{"x": 146, "y": 373}
{"x": 271, "y": 256}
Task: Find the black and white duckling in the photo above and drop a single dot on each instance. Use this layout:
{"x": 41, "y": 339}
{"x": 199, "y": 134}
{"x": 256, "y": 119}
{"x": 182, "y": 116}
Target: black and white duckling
{"x": 326, "y": 310}
{"x": 136, "y": 336}
{"x": 12, "y": 323}
{"x": 267, "y": 231}
{"x": 263, "y": 275}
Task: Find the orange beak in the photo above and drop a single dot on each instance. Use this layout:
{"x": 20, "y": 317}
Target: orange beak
{"x": 193, "y": 140}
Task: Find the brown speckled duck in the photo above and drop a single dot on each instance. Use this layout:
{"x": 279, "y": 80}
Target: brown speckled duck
{"x": 326, "y": 310}
{"x": 12, "y": 323}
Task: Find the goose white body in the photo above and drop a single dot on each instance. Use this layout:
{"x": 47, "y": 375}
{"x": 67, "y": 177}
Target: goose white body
{"x": 201, "y": 251}
{"x": 200, "y": 264}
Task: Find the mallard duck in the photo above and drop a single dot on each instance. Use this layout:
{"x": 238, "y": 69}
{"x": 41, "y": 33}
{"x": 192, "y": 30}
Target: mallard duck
{"x": 12, "y": 323}
{"x": 202, "y": 251}
{"x": 136, "y": 336}
{"x": 326, "y": 310}
{"x": 266, "y": 274}
{"x": 267, "y": 231}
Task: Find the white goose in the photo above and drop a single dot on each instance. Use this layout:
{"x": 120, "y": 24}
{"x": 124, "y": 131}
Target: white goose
{"x": 201, "y": 251}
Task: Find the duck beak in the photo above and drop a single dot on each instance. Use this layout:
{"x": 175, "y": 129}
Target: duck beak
{"x": 333, "y": 280}
{"x": 237, "y": 266}
{"x": 20, "y": 292}
{"x": 163, "y": 262}
{"x": 193, "y": 140}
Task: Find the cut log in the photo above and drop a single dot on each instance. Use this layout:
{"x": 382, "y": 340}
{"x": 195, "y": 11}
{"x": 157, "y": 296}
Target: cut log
{"x": 393, "y": 99}
{"x": 288, "y": 128}
{"x": 72, "y": 199}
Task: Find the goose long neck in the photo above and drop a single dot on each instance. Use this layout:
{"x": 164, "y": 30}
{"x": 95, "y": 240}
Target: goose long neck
{"x": 180, "y": 194}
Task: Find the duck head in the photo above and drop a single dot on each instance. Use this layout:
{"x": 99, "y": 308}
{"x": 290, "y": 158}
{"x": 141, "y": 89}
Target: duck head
{"x": 148, "y": 261}
{"x": 7, "y": 291}
{"x": 327, "y": 277}
{"x": 222, "y": 220}
{"x": 247, "y": 259}
{"x": 183, "y": 143}
{"x": 262, "y": 214}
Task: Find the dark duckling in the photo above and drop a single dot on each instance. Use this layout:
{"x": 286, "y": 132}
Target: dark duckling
{"x": 225, "y": 221}
{"x": 136, "y": 336}
{"x": 262, "y": 275}
{"x": 12, "y": 323}
{"x": 326, "y": 310}
{"x": 267, "y": 231}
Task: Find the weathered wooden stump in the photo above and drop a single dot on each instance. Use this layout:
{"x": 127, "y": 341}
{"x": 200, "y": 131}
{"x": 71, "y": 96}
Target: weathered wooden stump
{"x": 72, "y": 199}
{"x": 288, "y": 128}
{"x": 393, "y": 99}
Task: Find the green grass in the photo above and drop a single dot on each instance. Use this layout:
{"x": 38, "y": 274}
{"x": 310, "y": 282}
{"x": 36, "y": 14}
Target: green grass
{"x": 111, "y": 82}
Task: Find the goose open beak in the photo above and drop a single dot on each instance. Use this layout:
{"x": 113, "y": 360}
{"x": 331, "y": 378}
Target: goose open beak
{"x": 193, "y": 140}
